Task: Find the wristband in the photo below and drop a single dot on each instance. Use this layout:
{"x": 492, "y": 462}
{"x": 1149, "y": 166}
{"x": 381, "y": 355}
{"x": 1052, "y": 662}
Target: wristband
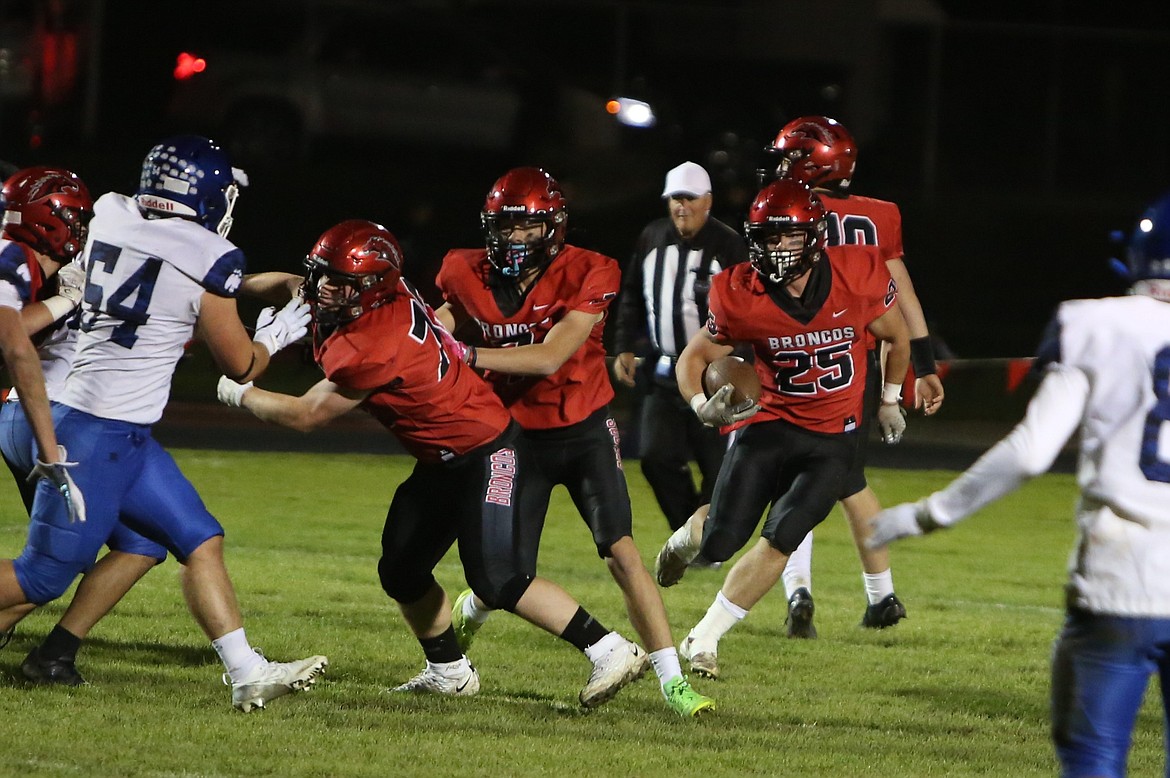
{"x": 471, "y": 356}
{"x": 697, "y": 402}
{"x": 891, "y": 394}
{"x": 59, "y": 306}
{"x": 922, "y": 356}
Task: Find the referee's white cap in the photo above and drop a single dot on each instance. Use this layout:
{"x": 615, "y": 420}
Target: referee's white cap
{"x": 689, "y": 178}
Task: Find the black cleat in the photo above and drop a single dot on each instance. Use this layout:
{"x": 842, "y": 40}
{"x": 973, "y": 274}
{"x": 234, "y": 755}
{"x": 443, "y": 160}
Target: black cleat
{"x": 41, "y": 670}
{"x": 884, "y": 614}
{"x": 800, "y": 615}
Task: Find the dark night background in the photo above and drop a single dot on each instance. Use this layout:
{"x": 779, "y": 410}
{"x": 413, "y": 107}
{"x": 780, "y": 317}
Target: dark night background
{"x": 1014, "y": 136}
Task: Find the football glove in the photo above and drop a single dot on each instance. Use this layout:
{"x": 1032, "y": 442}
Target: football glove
{"x": 901, "y": 521}
{"x": 892, "y": 420}
{"x": 57, "y": 474}
{"x": 716, "y": 412}
{"x": 71, "y": 282}
{"x": 275, "y": 330}
{"x": 231, "y": 393}
{"x": 456, "y": 348}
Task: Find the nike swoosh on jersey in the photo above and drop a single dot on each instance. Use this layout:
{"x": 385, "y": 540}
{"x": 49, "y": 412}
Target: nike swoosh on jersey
{"x": 840, "y": 312}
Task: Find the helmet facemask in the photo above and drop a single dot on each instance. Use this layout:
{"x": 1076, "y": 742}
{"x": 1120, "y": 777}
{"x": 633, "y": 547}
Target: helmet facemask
{"x": 512, "y": 255}
{"x": 777, "y": 260}
{"x": 336, "y": 298}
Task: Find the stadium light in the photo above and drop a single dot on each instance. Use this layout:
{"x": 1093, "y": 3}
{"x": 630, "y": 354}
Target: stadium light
{"x": 631, "y": 112}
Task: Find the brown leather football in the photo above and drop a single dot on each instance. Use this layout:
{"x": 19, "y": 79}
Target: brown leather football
{"x": 732, "y": 370}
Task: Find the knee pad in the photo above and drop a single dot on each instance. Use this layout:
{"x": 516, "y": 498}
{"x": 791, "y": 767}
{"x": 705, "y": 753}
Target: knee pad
{"x": 402, "y": 584}
{"x": 42, "y": 578}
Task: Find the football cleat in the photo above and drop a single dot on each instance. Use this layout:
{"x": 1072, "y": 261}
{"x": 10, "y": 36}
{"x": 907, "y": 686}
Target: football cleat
{"x": 6, "y": 636}
{"x": 884, "y": 614}
{"x": 465, "y": 628}
{"x": 462, "y": 683}
{"x": 703, "y": 663}
{"x": 684, "y": 700}
{"x": 679, "y": 550}
{"x": 621, "y": 665}
{"x": 61, "y": 671}
{"x": 800, "y": 615}
{"x": 274, "y": 679}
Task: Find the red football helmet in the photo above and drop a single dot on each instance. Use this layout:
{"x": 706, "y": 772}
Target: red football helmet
{"x": 814, "y": 150}
{"x": 47, "y": 209}
{"x": 782, "y": 208}
{"x": 524, "y": 196}
{"x": 354, "y": 267}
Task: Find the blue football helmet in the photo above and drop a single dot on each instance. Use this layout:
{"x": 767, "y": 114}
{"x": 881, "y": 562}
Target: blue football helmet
{"x": 1147, "y": 255}
{"x": 191, "y": 177}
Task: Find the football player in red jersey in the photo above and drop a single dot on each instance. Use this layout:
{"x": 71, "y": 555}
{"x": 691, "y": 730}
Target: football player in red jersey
{"x": 540, "y": 305}
{"x": 382, "y": 350}
{"x": 807, "y": 310}
{"x": 821, "y": 153}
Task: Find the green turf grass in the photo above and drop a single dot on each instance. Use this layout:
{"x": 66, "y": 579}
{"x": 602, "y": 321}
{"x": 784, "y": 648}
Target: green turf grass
{"x": 960, "y": 688}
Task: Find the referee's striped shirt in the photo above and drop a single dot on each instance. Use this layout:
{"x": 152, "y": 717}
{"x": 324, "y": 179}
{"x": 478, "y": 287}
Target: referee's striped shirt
{"x": 665, "y": 286}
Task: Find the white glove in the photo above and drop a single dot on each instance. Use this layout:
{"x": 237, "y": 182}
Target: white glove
{"x": 231, "y": 393}
{"x": 901, "y": 521}
{"x": 716, "y": 412}
{"x": 71, "y": 283}
{"x": 276, "y": 330}
{"x": 892, "y": 419}
{"x": 58, "y": 475}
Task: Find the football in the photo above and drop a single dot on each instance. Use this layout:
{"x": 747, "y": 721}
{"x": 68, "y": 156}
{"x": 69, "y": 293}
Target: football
{"x": 734, "y": 371}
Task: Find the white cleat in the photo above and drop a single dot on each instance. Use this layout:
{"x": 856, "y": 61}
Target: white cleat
{"x": 621, "y": 665}
{"x": 429, "y": 681}
{"x": 275, "y": 679}
{"x": 676, "y": 554}
{"x": 703, "y": 663}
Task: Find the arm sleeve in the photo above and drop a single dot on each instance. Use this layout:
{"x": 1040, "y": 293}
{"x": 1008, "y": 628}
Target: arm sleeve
{"x": 1030, "y": 449}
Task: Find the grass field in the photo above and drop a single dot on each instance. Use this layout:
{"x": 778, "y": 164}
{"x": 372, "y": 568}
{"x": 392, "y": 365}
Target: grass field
{"x": 960, "y": 688}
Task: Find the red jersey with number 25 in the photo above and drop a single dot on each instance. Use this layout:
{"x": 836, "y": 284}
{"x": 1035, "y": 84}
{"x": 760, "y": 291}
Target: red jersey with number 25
{"x": 811, "y": 362}
{"x": 435, "y": 405}
{"x": 577, "y": 280}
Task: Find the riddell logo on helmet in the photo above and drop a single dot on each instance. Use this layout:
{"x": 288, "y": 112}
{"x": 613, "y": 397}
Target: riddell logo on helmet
{"x": 156, "y": 203}
{"x": 514, "y": 208}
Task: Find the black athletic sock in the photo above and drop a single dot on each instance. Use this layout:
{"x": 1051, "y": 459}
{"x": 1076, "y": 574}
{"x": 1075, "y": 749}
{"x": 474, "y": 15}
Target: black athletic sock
{"x": 442, "y": 648}
{"x": 60, "y": 644}
{"x": 583, "y": 630}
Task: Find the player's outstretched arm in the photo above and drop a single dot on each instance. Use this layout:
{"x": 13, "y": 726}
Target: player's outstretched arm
{"x": 1054, "y": 413}
{"x": 545, "y": 358}
{"x": 321, "y": 404}
{"x": 272, "y": 287}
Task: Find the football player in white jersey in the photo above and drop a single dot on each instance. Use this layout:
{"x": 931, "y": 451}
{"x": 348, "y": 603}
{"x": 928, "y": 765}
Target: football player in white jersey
{"x": 1106, "y": 370}
{"x": 159, "y": 270}
{"x": 46, "y": 219}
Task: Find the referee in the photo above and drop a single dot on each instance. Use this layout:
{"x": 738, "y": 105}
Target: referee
{"x": 664, "y": 303}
